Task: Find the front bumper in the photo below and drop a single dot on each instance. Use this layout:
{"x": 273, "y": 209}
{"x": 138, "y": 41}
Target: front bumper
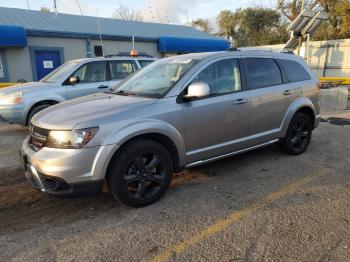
{"x": 66, "y": 172}
{"x": 12, "y": 113}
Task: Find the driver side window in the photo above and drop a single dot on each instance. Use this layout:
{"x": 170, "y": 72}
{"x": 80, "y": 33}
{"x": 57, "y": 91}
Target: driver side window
{"x": 222, "y": 77}
{"x": 91, "y": 72}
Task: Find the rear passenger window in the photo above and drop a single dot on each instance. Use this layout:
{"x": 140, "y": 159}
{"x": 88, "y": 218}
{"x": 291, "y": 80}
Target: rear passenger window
{"x": 294, "y": 71}
{"x": 121, "y": 69}
{"x": 262, "y": 72}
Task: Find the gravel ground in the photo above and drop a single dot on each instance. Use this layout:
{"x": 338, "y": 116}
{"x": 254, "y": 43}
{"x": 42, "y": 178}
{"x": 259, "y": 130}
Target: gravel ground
{"x": 262, "y": 205}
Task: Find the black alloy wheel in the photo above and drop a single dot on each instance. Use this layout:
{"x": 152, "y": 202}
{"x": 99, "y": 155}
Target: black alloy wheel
{"x": 141, "y": 173}
{"x": 298, "y": 135}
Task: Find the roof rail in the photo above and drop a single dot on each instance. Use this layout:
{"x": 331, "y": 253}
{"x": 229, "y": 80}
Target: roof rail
{"x": 128, "y": 55}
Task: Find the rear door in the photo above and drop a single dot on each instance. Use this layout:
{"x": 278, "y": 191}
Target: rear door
{"x": 271, "y": 97}
{"x": 92, "y": 79}
{"x": 118, "y": 70}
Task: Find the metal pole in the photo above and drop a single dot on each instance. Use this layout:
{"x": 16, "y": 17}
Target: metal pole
{"x": 300, "y": 38}
{"x": 28, "y": 4}
{"x": 55, "y": 6}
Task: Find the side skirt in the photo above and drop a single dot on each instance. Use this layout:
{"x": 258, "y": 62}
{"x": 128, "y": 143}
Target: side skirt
{"x": 201, "y": 162}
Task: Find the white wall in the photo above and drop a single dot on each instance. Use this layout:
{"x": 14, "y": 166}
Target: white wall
{"x": 337, "y": 63}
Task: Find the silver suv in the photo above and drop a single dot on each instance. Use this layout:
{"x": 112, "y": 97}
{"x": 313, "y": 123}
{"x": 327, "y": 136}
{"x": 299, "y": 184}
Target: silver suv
{"x": 19, "y": 103}
{"x": 178, "y": 112}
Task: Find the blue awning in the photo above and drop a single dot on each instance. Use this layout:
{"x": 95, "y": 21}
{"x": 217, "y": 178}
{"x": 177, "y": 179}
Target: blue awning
{"x": 190, "y": 45}
{"x": 12, "y": 36}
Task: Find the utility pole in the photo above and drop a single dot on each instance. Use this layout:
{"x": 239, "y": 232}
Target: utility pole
{"x": 81, "y": 11}
{"x": 28, "y": 5}
{"x": 55, "y": 6}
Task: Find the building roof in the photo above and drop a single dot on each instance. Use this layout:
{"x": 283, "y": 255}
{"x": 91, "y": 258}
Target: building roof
{"x": 66, "y": 25}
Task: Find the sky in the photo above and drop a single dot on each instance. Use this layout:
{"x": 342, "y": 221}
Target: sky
{"x": 165, "y": 11}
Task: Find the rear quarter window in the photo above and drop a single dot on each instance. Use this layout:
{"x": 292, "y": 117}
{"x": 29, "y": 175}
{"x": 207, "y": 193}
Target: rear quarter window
{"x": 262, "y": 72}
{"x": 294, "y": 71}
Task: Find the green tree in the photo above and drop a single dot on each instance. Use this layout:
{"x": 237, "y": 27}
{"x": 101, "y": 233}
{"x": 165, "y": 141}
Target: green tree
{"x": 201, "y": 24}
{"x": 253, "y": 26}
{"x": 44, "y": 9}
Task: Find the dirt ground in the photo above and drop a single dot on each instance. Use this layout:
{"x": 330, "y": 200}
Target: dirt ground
{"x": 262, "y": 205}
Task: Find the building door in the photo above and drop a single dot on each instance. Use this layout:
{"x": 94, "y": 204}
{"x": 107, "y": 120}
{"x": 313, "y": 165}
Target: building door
{"x": 46, "y": 62}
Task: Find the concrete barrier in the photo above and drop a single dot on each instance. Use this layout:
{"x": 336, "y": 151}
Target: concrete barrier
{"x": 334, "y": 98}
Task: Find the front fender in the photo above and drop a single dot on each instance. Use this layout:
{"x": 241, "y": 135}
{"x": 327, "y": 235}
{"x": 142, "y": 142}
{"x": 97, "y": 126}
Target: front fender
{"x": 293, "y": 108}
{"x": 147, "y": 126}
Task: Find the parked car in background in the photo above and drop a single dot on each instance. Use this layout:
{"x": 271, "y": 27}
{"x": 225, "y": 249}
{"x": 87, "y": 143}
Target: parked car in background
{"x": 19, "y": 103}
{"x": 177, "y": 112}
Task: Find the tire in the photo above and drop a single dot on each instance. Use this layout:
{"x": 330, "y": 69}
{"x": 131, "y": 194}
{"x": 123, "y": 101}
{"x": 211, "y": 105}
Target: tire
{"x": 140, "y": 173}
{"x": 36, "y": 110}
{"x": 298, "y": 135}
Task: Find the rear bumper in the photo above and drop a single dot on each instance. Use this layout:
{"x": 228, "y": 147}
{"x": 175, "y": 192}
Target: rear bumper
{"x": 12, "y": 113}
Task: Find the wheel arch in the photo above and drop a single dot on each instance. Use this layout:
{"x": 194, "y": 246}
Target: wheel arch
{"x": 302, "y": 104}
{"x": 158, "y": 137}
{"x": 50, "y": 102}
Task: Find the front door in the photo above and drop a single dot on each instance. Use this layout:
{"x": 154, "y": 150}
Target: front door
{"x": 218, "y": 124}
{"x": 92, "y": 78}
{"x": 46, "y": 62}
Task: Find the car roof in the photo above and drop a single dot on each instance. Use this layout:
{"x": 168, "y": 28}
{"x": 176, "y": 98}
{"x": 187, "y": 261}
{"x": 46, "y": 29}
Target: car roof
{"x": 113, "y": 58}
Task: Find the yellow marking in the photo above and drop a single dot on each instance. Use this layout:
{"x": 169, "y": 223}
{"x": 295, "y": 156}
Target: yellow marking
{"x": 222, "y": 224}
{"x": 345, "y": 80}
{"x": 6, "y": 84}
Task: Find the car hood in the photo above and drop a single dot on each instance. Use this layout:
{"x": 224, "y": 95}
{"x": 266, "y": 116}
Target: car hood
{"x": 67, "y": 115}
{"x": 26, "y": 87}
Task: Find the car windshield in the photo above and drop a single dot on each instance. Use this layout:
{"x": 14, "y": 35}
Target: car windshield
{"x": 59, "y": 72}
{"x": 156, "y": 79}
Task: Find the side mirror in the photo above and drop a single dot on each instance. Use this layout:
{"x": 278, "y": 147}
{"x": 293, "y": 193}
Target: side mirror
{"x": 197, "y": 90}
{"x": 73, "y": 80}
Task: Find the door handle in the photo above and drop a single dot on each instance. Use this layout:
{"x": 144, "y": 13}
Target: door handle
{"x": 240, "y": 101}
{"x": 287, "y": 92}
{"x": 102, "y": 87}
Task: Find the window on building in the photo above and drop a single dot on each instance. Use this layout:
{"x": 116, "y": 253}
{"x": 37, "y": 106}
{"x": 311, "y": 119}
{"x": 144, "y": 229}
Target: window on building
{"x": 121, "y": 69}
{"x": 92, "y": 72}
{"x": 98, "y": 50}
{"x": 222, "y": 77}
{"x": 262, "y": 72}
{"x": 294, "y": 71}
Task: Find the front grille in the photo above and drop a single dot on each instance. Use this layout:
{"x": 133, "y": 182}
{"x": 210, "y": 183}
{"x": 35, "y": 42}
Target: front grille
{"x": 38, "y": 137}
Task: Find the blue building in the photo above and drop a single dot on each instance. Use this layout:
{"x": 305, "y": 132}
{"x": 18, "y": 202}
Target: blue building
{"x": 35, "y": 41}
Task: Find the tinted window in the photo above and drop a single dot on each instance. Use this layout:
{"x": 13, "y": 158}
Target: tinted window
{"x": 121, "y": 69}
{"x": 294, "y": 71}
{"x": 262, "y": 72}
{"x": 92, "y": 72}
{"x": 144, "y": 63}
{"x": 222, "y": 77}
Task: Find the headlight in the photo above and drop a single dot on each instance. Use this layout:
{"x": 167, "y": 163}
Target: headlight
{"x": 11, "y": 99}
{"x": 71, "y": 139}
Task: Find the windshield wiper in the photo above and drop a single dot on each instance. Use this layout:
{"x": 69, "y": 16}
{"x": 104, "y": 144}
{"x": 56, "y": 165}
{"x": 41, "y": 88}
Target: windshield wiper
{"x": 125, "y": 93}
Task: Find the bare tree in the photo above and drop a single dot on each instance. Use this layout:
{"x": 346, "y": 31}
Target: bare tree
{"x": 124, "y": 12}
{"x": 202, "y": 24}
